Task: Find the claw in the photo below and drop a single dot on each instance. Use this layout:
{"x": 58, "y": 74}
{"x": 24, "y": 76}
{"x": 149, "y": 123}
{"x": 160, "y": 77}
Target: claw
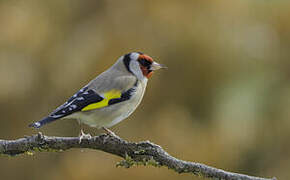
{"x": 84, "y": 136}
{"x": 109, "y": 132}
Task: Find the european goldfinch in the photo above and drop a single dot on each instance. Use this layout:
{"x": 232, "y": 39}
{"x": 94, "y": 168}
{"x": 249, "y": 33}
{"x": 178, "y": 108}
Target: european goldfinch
{"x": 110, "y": 97}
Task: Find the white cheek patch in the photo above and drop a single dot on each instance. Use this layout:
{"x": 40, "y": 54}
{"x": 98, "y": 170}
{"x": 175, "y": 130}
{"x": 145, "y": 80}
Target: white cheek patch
{"x": 134, "y": 56}
{"x": 135, "y": 68}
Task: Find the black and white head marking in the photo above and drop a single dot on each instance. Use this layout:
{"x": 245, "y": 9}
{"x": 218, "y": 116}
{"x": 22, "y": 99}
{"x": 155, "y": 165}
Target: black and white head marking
{"x": 127, "y": 59}
{"x": 131, "y": 62}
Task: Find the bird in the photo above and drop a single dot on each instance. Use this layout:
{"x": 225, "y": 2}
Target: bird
{"x": 109, "y": 98}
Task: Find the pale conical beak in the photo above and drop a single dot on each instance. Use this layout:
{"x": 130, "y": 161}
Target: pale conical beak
{"x": 155, "y": 66}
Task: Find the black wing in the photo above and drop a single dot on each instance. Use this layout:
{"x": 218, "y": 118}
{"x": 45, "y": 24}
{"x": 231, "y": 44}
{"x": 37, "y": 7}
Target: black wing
{"x": 78, "y": 101}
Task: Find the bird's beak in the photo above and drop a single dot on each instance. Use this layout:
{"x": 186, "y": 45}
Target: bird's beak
{"x": 155, "y": 66}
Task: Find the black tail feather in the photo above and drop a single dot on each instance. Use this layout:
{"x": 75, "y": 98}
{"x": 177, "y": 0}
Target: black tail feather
{"x": 42, "y": 122}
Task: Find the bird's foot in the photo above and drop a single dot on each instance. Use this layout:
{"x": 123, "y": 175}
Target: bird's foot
{"x": 84, "y": 136}
{"x": 109, "y": 132}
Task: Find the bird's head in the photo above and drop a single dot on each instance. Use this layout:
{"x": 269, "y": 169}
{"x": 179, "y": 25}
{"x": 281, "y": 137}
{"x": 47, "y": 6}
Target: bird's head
{"x": 141, "y": 65}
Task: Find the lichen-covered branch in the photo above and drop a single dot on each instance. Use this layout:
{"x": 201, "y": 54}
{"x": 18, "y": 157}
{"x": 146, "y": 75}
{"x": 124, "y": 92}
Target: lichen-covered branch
{"x": 144, "y": 153}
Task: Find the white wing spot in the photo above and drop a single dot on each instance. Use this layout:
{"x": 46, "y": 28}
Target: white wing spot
{"x": 37, "y": 124}
{"x": 80, "y": 98}
{"x": 74, "y": 106}
{"x": 56, "y": 116}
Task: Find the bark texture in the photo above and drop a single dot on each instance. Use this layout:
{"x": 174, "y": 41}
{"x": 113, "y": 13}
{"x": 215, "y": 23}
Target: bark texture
{"x": 141, "y": 153}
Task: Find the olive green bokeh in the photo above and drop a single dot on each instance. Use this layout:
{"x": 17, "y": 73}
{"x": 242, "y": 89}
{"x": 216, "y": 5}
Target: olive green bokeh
{"x": 223, "y": 101}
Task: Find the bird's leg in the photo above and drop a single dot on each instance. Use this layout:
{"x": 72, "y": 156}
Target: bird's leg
{"x": 109, "y": 132}
{"x": 83, "y": 135}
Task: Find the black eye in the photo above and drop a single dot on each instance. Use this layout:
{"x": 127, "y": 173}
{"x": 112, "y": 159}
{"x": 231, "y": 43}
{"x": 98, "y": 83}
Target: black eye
{"x": 145, "y": 62}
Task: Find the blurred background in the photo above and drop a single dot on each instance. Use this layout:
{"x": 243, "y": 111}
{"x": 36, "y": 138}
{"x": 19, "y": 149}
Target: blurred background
{"x": 224, "y": 101}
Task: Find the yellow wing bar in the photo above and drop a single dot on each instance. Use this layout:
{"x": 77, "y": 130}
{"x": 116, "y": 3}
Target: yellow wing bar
{"x": 113, "y": 94}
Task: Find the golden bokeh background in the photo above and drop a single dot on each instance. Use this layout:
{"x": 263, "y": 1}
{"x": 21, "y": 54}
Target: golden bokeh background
{"x": 224, "y": 101}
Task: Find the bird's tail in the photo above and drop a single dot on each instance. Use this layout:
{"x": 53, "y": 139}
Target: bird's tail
{"x": 42, "y": 122}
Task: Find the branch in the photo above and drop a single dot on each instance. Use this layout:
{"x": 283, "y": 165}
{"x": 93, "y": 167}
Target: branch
{"x": 142, "y": 153}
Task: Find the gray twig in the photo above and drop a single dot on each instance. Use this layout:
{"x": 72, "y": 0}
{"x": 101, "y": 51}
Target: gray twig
{"x": 142, "y": 153}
